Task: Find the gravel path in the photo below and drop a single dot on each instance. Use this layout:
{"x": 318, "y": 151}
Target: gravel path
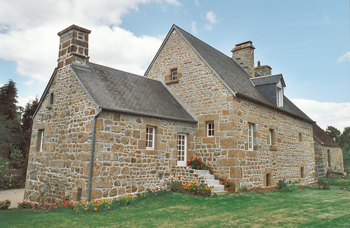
{"x": 15, "y": 195}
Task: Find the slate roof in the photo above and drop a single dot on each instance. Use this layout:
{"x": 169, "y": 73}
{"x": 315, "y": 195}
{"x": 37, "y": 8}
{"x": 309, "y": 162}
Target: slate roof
{"x": 265, "y": 80}
{"x": 322, "y": 137}
{"x": 117, "y": 90}
{"x": 232, "y": 74}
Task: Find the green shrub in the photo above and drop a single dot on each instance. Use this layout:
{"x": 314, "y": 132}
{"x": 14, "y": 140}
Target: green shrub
{"x": 16, "y": 158}
{"x": 4, "y": 164}
{"x": 4, "y": 205}
{"x": 244, "y": 189}
{"x": 281, "y": 184}
{"x": 25, "y": 205}
{"x": 204, "y": 190}
{"x": 322, "y": 184}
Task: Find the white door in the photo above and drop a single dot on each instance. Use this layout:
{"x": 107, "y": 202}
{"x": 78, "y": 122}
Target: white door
{"x": 181, "y": 149}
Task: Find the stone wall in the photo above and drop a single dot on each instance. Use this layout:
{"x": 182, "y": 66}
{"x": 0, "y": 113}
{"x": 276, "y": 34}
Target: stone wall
{"x": 322, "y": 158}
{"x": 207, "y": 98}
{"x": 123, "y": 165}
{"x": 67, "y": 126}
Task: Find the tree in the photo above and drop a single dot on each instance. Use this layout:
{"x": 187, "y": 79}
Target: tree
{"x": 10, "y": 125}
{"x": 333, "y": 132}
{"x": 27, "y": 122}
{"x": 8, "y": 101}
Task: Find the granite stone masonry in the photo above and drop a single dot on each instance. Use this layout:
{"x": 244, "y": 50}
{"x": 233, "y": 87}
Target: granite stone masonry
{"x": 141, "y": 130}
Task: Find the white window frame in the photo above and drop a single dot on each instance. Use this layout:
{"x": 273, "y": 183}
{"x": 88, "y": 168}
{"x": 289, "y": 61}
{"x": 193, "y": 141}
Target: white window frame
{"x": 150, "y": 137}
{"x": 250, "y": 136}
{"x": 41, "y": 139}
{"x": 181, "y": 149}
{"x": 210, "y": 129}
{"x": 173, "y": 74}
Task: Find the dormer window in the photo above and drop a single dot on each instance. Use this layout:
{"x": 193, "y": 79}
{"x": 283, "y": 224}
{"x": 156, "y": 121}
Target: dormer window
{"x": 279, "y": 94}
{"x": 174, "y": 74}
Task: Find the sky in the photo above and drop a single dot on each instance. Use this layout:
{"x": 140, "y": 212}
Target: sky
{"x": 307, "y": 41}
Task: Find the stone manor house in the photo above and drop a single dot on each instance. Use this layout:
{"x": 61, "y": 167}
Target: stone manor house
{"x": 101, "y": 133}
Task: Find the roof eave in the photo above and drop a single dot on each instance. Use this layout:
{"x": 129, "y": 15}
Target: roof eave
{"x": 148, "y": 115}
{"x": 240, "y": 95}
{"x": 45, "y": 91}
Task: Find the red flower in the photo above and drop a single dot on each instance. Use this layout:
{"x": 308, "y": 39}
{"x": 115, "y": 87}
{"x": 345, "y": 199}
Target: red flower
{"x": 188, "y": 162}
{"x": 223, "y": 182}
{"x": 212, "y": 171}
{"x": 200, "y": 161}
{"x": 226, "y": 178}
{"x": 208, "y": 163}
{"x": 195, "y": 159}
{"x": 62, "y": 201}
{"x": 205, "y": 167}
{"x": 229, "y": 182}
{"x": 191, "y": 158}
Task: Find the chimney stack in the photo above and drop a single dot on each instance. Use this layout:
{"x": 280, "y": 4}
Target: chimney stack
{"x": 74, "y": 46}
{"x": 262, "y": 70}
{"x": 243, "y": 53}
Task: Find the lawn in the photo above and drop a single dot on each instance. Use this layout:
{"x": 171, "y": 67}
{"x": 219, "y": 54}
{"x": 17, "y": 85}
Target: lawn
{"x": 305, "y": 208}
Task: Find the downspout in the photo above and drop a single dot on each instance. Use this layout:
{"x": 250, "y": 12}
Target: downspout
{"x": 92, "y": 153}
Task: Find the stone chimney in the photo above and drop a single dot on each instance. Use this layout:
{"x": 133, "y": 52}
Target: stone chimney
{"x": 263, "y": 70}
{"x": 243, "y": 53}
{"x": 74, "y": 46}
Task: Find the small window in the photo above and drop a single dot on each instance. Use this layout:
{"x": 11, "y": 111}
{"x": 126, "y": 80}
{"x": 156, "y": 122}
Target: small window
{"x": 150, "y": 135}
{"x": 279, "y": 96}
{"x": 51, "y": 98}
{"x": 174, "y": 74}
{"x": 300, "y": 137}
{"x": 210, "y": 129}
{"x": 329, "y": 158}
{"x": 301, "y": 172}
{"x": 268, "y": 182}
{"x": 251, "y": 136}
{"x": 40, "y": 142}
{"x": 272, "y": 139}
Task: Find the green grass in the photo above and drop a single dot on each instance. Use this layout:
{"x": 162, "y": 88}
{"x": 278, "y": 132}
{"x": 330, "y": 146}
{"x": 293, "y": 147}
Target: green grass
{"x": 306, "y": 208}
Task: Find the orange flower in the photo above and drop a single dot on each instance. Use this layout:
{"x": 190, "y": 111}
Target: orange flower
{"x": 205, "y": 167}
{"x": 95, "y": 209}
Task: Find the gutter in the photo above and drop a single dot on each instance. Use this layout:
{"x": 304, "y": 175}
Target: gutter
{"x": 92, "y": 153}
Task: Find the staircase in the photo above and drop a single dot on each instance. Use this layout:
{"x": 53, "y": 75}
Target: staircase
{"x": 210, "y": 180}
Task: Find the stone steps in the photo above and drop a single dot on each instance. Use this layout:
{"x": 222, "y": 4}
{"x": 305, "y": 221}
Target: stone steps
{"x": 210, "y": 179}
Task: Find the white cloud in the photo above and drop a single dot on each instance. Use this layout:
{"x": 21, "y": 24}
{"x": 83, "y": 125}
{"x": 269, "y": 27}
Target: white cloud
{"x": 23, "y": 100}
{"x": 197, "y": 2}
{"x": 344, "y": 58}
{"x": 208, "y": 27}
{"x": 29, "y": 35}
{"x": 194, "y": 27}
{"x": 326, "y": 113}
{"x": 30, "y": 82}
{"x": 210, "y": 16}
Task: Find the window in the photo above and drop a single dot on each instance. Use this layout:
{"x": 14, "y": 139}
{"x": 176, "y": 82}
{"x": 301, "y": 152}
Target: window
{"x": 250, "y": 136}
{"x": 279, "y": 96}
{"x": 272, "y": 138}
{"x": 301, "y": 172}
{"x": 40, "y": 142}
{"x": 268, "y": 182}
{"x": 210, "y": 129}
{"x": 150, "y": 135}
{"x": 51, "y": 98}
{"x": 181, "y": 149}
{"x": 329, "y": 158}
{"x": 300, "y": 137}
{"x": 174, "y": 74}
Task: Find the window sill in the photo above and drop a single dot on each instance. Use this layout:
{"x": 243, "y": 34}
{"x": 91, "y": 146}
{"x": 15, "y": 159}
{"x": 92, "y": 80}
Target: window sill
{"x": 172, "y": 82}
{"x": 273, "y": 148}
